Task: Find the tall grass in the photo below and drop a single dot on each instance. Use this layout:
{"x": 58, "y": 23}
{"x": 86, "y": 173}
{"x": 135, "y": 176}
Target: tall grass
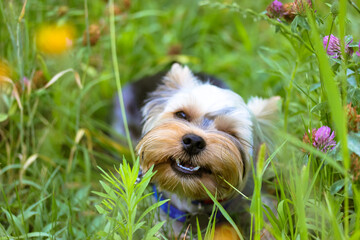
{"x": 55, "y": 115}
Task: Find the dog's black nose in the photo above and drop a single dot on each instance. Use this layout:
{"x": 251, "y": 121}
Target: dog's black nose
{"x": 193, "y": 144}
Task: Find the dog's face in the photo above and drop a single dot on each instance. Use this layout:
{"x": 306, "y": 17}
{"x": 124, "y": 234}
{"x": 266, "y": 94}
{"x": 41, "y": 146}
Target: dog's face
{"x": 194, "y": 134}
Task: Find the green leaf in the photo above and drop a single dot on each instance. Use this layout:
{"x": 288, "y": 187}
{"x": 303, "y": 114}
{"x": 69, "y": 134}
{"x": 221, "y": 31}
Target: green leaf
{"x": 337, "y": 186}
{"x": 299, "y": 21}
{"x": 154, "y": 230}
{"x": 323, "y": 106}
{"x": 198, "y": 229}
{"x": 281, "y": 211}
{"x": 137, "y": 226}
{"x": 3, "y": 117}
{"x": 100, "y": 209}
{"x": 37, "y": 235}
{"x": 152, "y": 207}
{"x": 354, "y": 142}
{"x": 275, "y": 224}
{"x": 314, "y": 86}
{"x": 224, "y": 213}
{"x": 11, "y": 218}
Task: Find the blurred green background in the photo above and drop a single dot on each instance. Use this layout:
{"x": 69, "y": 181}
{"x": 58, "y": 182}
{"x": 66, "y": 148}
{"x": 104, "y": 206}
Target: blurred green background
{"x": 62, "y": 132}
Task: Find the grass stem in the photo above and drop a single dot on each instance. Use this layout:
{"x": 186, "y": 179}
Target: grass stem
{"x": 117, "y": 78}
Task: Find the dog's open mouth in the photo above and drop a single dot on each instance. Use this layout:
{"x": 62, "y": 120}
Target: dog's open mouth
{"x": 187, "y": 167}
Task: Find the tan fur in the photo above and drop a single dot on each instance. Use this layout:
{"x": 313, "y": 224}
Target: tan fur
{"x": 221, "y": 156}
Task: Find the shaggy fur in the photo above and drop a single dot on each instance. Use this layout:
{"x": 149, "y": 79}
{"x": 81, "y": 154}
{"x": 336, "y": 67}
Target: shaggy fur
{"x": 229, "y": 129}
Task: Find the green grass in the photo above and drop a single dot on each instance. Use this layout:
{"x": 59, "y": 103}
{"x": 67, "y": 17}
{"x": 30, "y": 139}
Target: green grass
{"x": 56, "y": 134}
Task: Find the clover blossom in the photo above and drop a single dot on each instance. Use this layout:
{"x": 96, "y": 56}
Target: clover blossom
{"x": 275, "y": 10}
{"x": 332, "y": 46}
{"x": 322, "y": 138}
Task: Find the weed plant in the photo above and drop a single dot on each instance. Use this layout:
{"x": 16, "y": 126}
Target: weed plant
{"x": 63, "y": 173}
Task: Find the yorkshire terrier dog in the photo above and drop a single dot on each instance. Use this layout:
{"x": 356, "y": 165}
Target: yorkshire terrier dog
{"x": 196, "y": 133}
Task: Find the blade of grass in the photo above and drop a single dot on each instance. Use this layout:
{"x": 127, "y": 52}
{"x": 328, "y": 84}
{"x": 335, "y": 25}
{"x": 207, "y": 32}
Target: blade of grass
{"x": 62, "y": 73}
{"x": 334, "y": 99}
{"x": 346, "y": 161}
{"x": 8, "y": 212}
{"x": 210, "y": 229}
{"x": 332, "y": 162}
{"x": 117, "y": 78}
{"x": 198, "y": 229}
{"x": 256, "y": 203}
{"x": 224, "y": 213}
{"x": 22, "y": 11}
{"x": 332, "y": 205}
{"x": 300, "y": 201}
{"x": 24, "y": 228}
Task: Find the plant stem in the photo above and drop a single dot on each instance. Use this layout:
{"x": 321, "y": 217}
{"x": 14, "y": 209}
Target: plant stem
{"x": 117, "y": 77}
{"x": 354, "y": 6}
{"x": 288, "y": 96}
{"x": 345, "y": 150}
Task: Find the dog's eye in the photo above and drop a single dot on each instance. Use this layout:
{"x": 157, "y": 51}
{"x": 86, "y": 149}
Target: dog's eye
{"x": 181, "y": 115}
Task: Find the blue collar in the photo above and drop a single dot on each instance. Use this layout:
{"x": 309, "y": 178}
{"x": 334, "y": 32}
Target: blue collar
{"x": 171, "y": 210}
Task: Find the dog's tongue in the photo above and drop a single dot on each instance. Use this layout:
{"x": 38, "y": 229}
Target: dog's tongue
{"x": 188, "y": 165}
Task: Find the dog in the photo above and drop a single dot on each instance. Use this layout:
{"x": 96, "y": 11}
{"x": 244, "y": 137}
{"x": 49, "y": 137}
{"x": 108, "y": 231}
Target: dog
{"x": 196, "y": 134}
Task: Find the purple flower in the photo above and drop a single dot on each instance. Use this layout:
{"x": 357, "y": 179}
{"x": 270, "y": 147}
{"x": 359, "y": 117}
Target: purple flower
{"x": 277, "y": 5}
{"x": 333, "y": 48}
{"x": 26, "y": 81}
{"x": 275, "y": 10}
{"x": 358, "y": 51}
{"x": 324, "y": 139}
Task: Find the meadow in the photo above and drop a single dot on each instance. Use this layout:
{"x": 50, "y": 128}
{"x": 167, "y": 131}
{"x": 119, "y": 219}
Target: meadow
{"x": 62, "y": 168}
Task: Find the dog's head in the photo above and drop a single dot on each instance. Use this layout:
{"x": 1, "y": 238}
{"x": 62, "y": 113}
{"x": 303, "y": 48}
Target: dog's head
{"x": 196, "y": 133}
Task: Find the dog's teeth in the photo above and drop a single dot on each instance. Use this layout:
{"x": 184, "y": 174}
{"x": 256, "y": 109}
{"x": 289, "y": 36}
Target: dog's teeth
{"x": 192, "y": 169}
{"x": 196, "y": 168}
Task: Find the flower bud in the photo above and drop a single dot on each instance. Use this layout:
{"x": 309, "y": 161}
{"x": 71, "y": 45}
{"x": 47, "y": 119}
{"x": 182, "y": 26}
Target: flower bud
{"x": 334, "y": 9}
{"x": 94, "y": 35}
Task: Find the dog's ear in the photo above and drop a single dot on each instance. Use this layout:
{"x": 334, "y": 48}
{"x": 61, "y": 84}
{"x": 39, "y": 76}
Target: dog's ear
{"x": 179, "y": 76}
{"x": 265, "y": 110}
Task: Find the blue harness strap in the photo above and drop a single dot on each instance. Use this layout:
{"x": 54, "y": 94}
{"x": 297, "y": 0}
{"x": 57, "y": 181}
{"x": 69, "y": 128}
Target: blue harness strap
{"x": 171, "y": 210}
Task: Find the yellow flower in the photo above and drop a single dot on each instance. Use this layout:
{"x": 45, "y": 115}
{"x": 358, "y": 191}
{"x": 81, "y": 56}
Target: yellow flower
{"x": 53, "y": 39}
{"x": 4, "y": 69}
{"x": 5, "y": 75}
